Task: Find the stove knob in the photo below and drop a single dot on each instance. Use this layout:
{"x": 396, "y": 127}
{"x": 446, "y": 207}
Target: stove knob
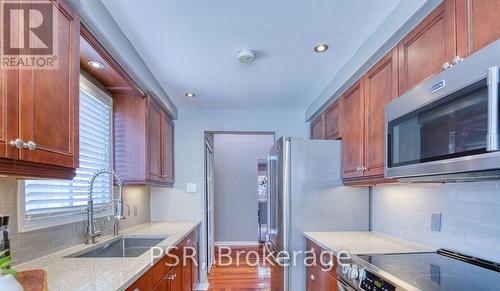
{"x": 362, "y": 274}
{"x": 353, "y": 273}
{"x": 346, "y": 268}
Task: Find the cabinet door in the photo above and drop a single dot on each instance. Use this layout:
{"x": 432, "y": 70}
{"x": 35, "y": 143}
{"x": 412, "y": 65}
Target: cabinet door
{"x": 423, "y": 51}
{"x": 318, "y": 128}
{"x": 332, "y": 121}
{"x": 312, "y": 283}
{"x": 381, "y": 86}
{"x": 175, "y": 278}
{"x": 319, "y": 279}
{"x": 353, "y": 131}
{"x": 167, "y": 149}
{"x": 8, "y": 107}
{"x": 477, "y": 24}
{"x": 48, "y": 99}
{"x": 154, "y": 124}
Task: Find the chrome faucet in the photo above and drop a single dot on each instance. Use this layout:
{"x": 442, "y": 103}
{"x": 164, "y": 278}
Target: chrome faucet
{"x": 92, "y": 232}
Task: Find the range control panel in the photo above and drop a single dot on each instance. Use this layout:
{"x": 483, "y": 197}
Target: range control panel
{"x": 372, "y": 282}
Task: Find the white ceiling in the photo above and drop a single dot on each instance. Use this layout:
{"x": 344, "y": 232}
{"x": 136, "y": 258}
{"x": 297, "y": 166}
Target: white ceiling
{"x": 191, "y": 45}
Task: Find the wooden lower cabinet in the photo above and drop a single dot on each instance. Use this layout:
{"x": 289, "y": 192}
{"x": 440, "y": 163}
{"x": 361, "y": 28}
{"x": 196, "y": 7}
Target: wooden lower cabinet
{"x": 173, "y": 280}
{"x": 169, "y": 275}
{"x": 319, "y": 279}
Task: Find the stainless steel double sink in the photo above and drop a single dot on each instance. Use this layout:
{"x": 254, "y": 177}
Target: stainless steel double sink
{"x": 120, "y": 247}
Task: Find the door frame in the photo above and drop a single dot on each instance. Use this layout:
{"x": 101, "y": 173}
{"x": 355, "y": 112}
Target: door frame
{"x": 209, "y": 200}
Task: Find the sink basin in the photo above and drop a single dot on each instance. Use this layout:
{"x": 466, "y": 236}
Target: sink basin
{"x": 120, "y": 247}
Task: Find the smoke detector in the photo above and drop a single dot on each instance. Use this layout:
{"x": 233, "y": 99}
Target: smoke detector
{"x": 246, "y": 56}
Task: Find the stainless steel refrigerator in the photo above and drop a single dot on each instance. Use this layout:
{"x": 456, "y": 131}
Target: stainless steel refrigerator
{"x": 306, "y": 194}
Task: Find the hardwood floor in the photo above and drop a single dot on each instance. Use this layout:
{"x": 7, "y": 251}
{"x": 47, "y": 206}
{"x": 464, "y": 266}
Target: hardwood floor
{"x": 235, "y": 273}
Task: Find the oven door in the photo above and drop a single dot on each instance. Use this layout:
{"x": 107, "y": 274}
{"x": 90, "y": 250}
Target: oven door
{"x": 342, "y": 286}
{"x": 455, "y": 133}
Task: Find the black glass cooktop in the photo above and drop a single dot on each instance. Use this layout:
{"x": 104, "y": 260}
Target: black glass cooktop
{"x": 441, "y": 271}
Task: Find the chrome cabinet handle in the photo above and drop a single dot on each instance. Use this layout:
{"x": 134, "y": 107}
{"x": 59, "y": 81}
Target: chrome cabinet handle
{"x": 30, "y": 145}
{"x": 18, "y": 143}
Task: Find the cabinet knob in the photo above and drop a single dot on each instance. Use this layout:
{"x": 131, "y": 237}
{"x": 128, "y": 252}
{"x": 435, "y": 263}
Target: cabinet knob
{"x": 312, "y": 277}
{"x": 457, "y": 59}
{"x": 172, "y": 277}
{"x": 18, "y": 143}
{"x": 360, "y": 168}
{"x": 446, "y": 66}
{"x": 137, "y": 289}
{"x": 30, "y": 145}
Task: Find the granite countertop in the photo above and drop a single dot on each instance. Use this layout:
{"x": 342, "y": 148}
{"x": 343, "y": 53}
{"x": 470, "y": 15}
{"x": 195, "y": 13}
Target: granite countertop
{"x": 106, "y": 273}
{"x": 364, "y": 243}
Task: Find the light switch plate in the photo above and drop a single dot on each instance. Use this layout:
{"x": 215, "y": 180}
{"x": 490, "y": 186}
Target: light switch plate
{"x": 436, "y": 221}
{"x": 191, "y": 187}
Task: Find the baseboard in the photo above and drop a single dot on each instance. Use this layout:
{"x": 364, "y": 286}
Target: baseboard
{"x": 201, "y": 286}
{"x": 236, "y": 243}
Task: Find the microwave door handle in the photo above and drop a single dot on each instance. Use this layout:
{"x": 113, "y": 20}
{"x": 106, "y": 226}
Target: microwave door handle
{"x": 492, "y": 137}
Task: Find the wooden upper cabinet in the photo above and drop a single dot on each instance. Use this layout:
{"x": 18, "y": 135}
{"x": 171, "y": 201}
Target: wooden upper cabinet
{"x": 48, "y": 100}
{"x": 381, "y": 86}
{"x": 318, "y": 128}
{"x": 39, "y": 107}
{"x": 353, "y": 130}
{"x": 332, "y": 121}
{"x": 424, "y": 51}
{"x": 154, "y": 125}
{"x": 144, "y": 137}
{"x": 477, "y": 24}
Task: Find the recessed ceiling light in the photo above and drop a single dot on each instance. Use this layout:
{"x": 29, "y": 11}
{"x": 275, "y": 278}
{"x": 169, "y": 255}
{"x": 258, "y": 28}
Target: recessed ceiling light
{"x": 190, "y": 94}
{"x": 320, "y": 48}
{"x": 96, "y": 64}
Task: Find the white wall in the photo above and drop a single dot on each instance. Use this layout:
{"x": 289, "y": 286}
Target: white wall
{"x": 470, "y": 215}
{"x": 175, "y": 203}
{"x": 235, "y": 161}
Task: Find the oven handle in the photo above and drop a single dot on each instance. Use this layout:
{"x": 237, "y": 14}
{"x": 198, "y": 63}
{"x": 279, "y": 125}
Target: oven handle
{"x": 492, "y": 137}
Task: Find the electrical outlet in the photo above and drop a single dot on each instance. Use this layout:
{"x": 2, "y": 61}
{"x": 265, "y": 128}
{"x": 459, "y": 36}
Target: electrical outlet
{"x": 135, "y": 210}
{"x": 436, "y": 221}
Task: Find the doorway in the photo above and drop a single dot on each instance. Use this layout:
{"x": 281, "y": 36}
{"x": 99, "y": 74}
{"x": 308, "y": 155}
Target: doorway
{"x": 231, "y": 190}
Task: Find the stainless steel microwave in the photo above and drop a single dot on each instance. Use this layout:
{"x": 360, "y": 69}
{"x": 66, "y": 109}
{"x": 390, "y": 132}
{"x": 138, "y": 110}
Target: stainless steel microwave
{"x": 446, "y": 129}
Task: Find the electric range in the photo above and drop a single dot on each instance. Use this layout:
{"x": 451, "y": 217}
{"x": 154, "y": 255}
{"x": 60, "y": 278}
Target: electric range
{"x": 443, "y": 270}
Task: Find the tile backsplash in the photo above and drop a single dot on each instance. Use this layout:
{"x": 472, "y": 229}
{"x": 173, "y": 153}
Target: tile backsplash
{"x": 470, "y": 215}
{"x": 37, "y": 243}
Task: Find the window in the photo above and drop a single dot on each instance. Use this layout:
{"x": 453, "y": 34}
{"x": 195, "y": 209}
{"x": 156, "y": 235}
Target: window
{"x": 52, "y": 202}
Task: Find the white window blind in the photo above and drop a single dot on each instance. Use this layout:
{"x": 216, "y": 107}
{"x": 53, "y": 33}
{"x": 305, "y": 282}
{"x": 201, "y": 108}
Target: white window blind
{"x": 58, "y": 199}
